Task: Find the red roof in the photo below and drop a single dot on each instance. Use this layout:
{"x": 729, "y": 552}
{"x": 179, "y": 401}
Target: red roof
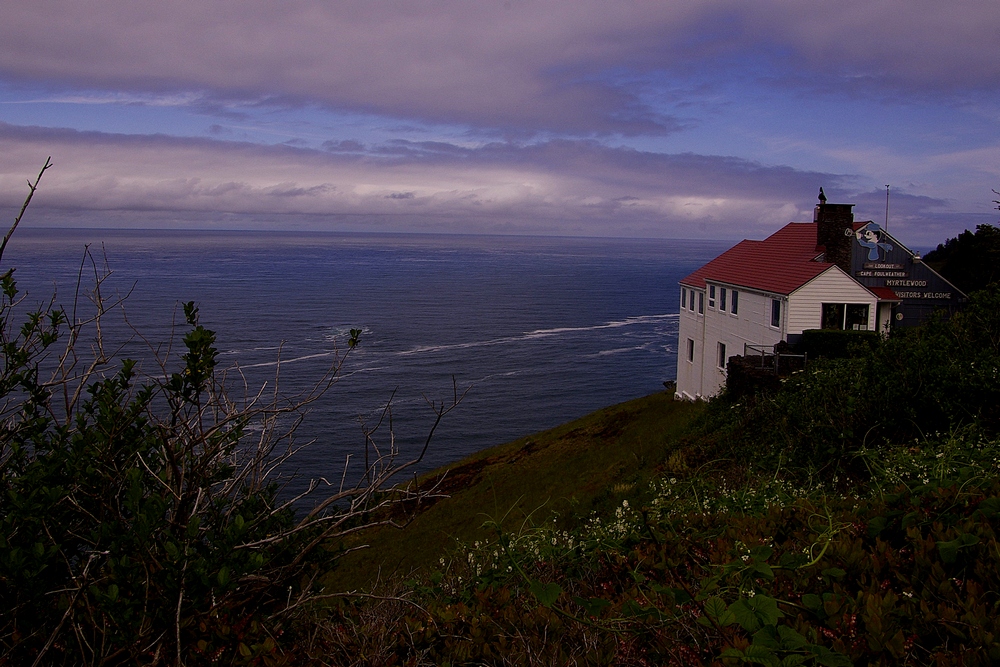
{"x": 884, "y": 293}
{"x": 781, "y": 263}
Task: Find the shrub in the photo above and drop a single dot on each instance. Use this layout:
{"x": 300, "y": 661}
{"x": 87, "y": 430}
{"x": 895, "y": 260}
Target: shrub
{"x": 141, "y": 518}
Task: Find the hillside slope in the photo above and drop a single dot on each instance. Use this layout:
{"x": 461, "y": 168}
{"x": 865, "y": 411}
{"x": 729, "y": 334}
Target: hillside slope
{"x": 592, "y": 463}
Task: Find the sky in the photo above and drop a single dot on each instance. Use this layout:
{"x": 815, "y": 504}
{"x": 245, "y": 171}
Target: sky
{"x": 681, "y": 119}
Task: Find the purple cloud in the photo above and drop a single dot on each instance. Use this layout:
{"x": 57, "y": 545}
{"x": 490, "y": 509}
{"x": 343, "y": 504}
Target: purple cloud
{"x": 514, "y": 67}
{"x": 551, "y": 187}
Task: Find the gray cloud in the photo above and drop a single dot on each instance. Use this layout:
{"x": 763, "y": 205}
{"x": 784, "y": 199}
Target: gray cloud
{"x": 518, "y": 66}
{"x": 561, "y": 187}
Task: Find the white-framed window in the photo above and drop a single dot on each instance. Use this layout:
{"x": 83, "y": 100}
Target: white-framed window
{"x": 776, "y": 313}
{"x": 722, "y": 299}
{"x": 722, "y": 356}
{"x": 701, "y": 303}
{"x": 845, "y": 316}
{"x": 734, "y": 305}
{"x": 711, "y": 296}
{"x": 690, "y": 349}
{"x": 684, "y": 298}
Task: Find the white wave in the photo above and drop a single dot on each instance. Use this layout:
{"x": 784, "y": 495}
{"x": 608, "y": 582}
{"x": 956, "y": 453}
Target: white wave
{"x": 542, "y": 333}
{"x": 267, "y": 364}
{"x": 619, "y": 350}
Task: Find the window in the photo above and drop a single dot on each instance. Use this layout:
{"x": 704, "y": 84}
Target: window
{"x": 833, "y": 316}
{"x": 690, "y": 350}
{"x": 701, "y": 303}
{"x": 684, "y": 298}
{"x": 711, "y": 296}
{"x": 722, "y": 299}
{"x": 845, "y": 316}
{"x": 776, "y": 313}
{"x": 736, "y": 299}
{"x": 722, "y": 356}
{"x": 856, "y": 316}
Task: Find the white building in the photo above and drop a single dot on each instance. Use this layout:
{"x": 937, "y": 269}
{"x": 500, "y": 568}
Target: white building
{"x": 817, "y": 275}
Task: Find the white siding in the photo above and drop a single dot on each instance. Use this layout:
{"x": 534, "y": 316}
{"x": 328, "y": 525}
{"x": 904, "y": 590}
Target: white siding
{"x": 751, "y": 325}
{"x": 689, "y": 373}
{"x": 805, "y": 305}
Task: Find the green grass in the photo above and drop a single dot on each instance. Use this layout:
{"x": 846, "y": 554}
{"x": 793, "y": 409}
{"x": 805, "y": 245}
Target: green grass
{"x": 588, "y": 464}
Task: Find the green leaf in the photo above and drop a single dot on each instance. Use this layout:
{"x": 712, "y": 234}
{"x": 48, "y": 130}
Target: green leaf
{"x": 764, "y": 570}
{"x": 593, "y": 606}
{"x": 949, "y": 550}
{"x": 828, "y": 658}
{"x": 715, "y": 607}
{"x": 877, "y": 525}
{"x": 223, "y": 576}
{"x": 761, "y": 655}
{"x": 790, "y": 639}
{"x": 754, "y": 613}
{"x": 546, "y": 594}
{"x": 989, "y": 507}
{"x": 834, "y": 572}
{"x": 767, "y": 637}
{"x": 812, "y": 601}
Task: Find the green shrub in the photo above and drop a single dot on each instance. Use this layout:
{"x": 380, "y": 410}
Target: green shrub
{"x": 836, "y": 343}
{"x": 140, "y": 517}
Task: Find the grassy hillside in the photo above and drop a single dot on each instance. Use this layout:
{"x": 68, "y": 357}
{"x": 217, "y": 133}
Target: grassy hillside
{"x": 587, "y": 465}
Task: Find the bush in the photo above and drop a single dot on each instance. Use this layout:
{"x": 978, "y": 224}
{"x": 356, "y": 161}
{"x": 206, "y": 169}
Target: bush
{"x": 836, "y": 343}
{"x": 141, "y": 519}
{"x": 934, "y": 378}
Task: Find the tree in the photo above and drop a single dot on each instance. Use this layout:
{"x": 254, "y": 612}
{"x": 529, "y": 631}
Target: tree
{"x": 971, "y": 261}
{"x": 142, "y": 518}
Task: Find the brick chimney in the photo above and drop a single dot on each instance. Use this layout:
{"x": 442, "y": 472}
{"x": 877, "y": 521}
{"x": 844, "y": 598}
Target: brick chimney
{"x": 834, "y": 231}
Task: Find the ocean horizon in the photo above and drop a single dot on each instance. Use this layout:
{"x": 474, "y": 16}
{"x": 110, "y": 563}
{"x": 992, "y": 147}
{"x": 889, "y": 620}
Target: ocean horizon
{"x": 535, "y": 331}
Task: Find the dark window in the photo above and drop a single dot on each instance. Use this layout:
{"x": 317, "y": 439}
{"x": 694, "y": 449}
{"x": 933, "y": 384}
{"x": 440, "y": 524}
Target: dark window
{"x": 701, "y": 303}
{"x": 684, "y": 298}
{"x": 736, "y": 300}
{"x": 711, "y": 296}
{"x": 856, "y": 316}
{"x": 690, "y": 350}
{"x": 722, "y": 355}
{"x": 833, "y": 316}
{"x": 722, "y": 299}
{"x": 776, "y": 313}
{"x": 845, "y": 316}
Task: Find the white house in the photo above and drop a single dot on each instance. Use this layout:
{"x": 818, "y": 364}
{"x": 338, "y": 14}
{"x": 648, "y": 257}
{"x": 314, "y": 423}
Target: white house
{"x": 805, "y": 276}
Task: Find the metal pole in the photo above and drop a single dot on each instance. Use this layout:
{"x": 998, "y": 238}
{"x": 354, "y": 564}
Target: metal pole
{"x": 886, "y": 208}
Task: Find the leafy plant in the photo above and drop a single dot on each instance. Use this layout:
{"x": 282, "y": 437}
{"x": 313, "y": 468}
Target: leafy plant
{"x": 143, "y": 517}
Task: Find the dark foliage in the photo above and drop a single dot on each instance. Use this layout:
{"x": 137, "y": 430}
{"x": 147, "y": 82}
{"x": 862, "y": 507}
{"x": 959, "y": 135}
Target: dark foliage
{"x": 970, "y": 261}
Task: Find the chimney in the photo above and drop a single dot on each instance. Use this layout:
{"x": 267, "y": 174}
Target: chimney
{"x": 834, "y": 231}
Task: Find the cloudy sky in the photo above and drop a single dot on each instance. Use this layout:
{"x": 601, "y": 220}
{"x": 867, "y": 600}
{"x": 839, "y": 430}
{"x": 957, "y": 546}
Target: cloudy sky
{"x": 683, "y": 119}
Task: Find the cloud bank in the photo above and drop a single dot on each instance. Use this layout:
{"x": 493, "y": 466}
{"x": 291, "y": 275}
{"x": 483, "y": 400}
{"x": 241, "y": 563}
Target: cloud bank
{"x": 590, "y": 117}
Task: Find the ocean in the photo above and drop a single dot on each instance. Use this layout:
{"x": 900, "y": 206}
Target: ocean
{"x": 534, "y": 331}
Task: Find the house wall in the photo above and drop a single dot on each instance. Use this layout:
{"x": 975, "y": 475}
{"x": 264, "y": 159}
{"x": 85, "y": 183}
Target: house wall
{"x": 752, "y": 324}
{"x": 805, "y": 305}
{"x": 801, "y": 310}
{"x": 689, "y": 373}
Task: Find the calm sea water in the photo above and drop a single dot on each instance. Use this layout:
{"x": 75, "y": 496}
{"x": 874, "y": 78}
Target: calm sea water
{"x": 540, "y": 330}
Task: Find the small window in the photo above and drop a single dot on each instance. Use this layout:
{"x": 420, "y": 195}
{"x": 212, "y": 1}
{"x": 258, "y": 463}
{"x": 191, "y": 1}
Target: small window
{"x": 684, "y": 298}
{"x": 833, "y": 316}
{"x": 722, "y": 299}
{"x": 722, "y": 356}
{"x": 690, "y": 349}
{"x": 701, "y": 303}
{"x": 776, "y": 313}
{"x": 711, "y": 296}
{"x": 735, "y": 303}
{"x": 845, "y": 316}
{"x": 856, "y": 317}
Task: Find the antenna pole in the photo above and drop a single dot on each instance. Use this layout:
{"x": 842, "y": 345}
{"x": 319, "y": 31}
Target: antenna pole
{"x": 887, "y": 208}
